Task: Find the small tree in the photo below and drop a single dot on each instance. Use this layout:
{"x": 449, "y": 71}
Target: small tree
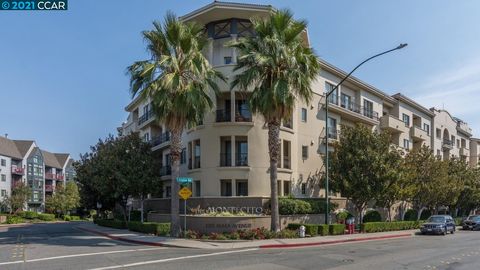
{"x": 64, "y": 199}
{"x": 19, "y": 197}
{"x": 361, "y": 165}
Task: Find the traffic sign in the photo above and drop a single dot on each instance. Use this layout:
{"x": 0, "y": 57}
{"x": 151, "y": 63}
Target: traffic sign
{"x": 185, "y": 193}
{"x": 184, "y": 180}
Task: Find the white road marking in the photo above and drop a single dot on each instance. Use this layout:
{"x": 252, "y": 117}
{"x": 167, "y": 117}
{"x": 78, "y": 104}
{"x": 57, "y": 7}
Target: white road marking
{"x": 80, "y": 255}
{"x": 174, "y": 259}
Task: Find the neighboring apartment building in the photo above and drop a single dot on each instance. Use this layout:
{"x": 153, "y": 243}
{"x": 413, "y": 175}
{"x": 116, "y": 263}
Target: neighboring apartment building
{"x": 22, "y": 161}
{"x": 474, "y": 152}
{"x": 227, "y": 154}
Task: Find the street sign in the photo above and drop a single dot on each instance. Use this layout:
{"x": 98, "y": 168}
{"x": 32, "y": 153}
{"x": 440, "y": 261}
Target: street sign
{"x": 185, "y": 193}
{"x": 184, "y": 180}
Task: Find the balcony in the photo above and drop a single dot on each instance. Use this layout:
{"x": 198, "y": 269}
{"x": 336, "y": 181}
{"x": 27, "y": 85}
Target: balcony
{"x": 418, "y": 134}
{"x": 52, "y": 176}
{"x": 49, "y": 188}
{"x": 158, "y": 140}
{"x": 393, "y": 124}
{"x": 447, "y": 145}
{"x": 165, "y": 170}
{"x": 464, "y": 128}
{"x": 243, "y": 115}
{"x": 223, "y": 116}
{"x": 225, "y": 159}
{"x": 18, "y": 170}
{"x": 60, "y": 177}
{"x": 145, "y": 117}
{"x": 353, "y": 109}
{"x": 241, "y": 159}
{"x": 332, "y": 134}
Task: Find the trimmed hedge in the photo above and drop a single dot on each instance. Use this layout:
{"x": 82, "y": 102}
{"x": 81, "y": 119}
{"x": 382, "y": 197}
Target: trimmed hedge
{"x": 372, "y": 216}
{"x": 287, "y": 206}
{"x": 390, "y": 226}
{"x": 323, "y": 229}
{"x": 29, "y": 215}
{"x": 336, "y": 229}
{"x": 161, "y": 229}
{"x": 46, "y": 217}
{"x": 136, "y": 215}
{"x": 14, "y": 220}
{"x": 112, "y": 223}
{"x": 71, "y": 218}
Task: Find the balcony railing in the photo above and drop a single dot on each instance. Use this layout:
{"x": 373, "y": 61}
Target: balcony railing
{"x": 18, "y": 170}
{"x": 225, "y": 159}
{"x": 164, "y": 137}
{"x": 223, "y": 116}
{"x": 353, "y": 107}
{"x": 53, "y": 176}
{"x": 165, "y": 170}
{"x": 144, "y": 118}
{"x": 49, "y": 188}
{"x": 243, "y": 115}
{"x": 241, "y": 159}
{"x": 448, "y": 144}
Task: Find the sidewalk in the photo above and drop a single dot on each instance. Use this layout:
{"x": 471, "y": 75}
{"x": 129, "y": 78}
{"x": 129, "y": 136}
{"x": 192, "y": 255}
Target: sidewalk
{"x": 143, "y": 239}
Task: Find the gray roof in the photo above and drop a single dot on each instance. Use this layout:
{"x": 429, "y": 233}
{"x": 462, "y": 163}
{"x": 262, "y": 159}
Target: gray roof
{"x": 9, "y": 149}
{"x": 50, "y": 160}
{"x": 23, "y": 146}
{"x": 62, "y": 158}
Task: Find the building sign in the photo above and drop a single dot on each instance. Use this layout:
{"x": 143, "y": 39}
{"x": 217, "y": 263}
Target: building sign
{"x": 249, "y": 210}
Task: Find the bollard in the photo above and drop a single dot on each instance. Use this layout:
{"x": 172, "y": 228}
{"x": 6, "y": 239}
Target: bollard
{"x": 301, "y": 231}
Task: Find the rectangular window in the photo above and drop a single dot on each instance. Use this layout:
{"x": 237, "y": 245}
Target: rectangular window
{"x": 304, "y": 115}
{"x": 286, "y": 154}
{"x": 198, "y": 190}
{"x": 183, "y": 156}
{"x": 196, "y": 164}
{"x": 332, "y": 128}
{"x": 406, "y": 119}
{"x": 458, "y": 143}
{"x": 406, "y": 144}
{"x": 4, "y": 192}
{"x": 368, "y": 108}
{"x": 439, "y": 133}
{"x": 4, "y": 178}
{"x": 346, "y": 101}
{"x": 227, "y": 60}
{"x": 438, "y": 153}
{"x": 241, "y": 146}
{"x": 426, "y": 127}
{"x": 4, "y": 162}
{"x": 304, "y": 189}
{"x": 146, "y": 137}
{"x": 241, "y": 187}
{"x": 333, "y": 98}
{"x": 168, "y": 192}
{"x": 286, "y": 188}
{"x": 304, "y": 151}
{"x": 35, "y": 195}
{"x": 226, "y": 188}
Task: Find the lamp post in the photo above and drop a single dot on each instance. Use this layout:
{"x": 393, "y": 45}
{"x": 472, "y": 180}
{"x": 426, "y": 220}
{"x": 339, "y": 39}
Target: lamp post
{"x": 327, "y": 95}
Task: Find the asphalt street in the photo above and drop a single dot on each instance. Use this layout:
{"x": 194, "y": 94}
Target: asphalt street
{"x": 62, "y": 246}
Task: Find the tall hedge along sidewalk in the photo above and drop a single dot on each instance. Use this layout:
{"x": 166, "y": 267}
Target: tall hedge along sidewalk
{"x": 319, "y": 229}
{"x": 371, "y": 227}
{"x": 160, "y": 229}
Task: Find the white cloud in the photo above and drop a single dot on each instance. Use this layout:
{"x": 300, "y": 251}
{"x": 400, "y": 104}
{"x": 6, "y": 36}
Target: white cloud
{"x": 457, "y": 89}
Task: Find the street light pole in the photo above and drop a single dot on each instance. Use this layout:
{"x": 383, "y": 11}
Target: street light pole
{"x": 327, "y": 95}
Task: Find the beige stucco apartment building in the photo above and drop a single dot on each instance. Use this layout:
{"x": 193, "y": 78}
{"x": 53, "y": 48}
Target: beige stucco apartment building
{"x": 227, "y": 154}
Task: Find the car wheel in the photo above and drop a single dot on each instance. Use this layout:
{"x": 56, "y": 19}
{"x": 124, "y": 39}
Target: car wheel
{"x": 453, "y": 231}
{"x": 445, "y": 232}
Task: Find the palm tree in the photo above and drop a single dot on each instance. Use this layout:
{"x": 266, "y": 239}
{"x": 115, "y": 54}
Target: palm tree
{"x": 278, "y": 69}
{"x": 178, "y": 80}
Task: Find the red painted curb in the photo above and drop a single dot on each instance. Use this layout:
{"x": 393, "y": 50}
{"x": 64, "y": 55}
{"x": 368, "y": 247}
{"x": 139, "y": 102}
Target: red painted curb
{"x": 138, "y": 242}
{"x": 336, "y": 241}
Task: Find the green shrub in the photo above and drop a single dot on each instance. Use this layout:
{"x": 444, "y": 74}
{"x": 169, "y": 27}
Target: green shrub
{"x": 149, "y": 227}
{"x": 14, "y": 220}
{"x": 336, "y": 229}
{"x": 112, "y": 223}
{"x": 458, "y": 221}
{"x": 135, "y": 215}
{"x": 410, "y": 215}
{"x": 75, "y": 218}
{"x": 288, "y": 206}
{"x": 67, "y": 218}
{"x": 372, "y": 216}
{"x": 294, "y": 226}
{"x": 425, "y": 214}
{"x": 287, "y": 234}
{"x": 46, "y": 217}
{"x": 322, "y": 229}
{"x": 390, "y": 226}
{"x": 311, "y": 229}
{"x": 29, "y": 215}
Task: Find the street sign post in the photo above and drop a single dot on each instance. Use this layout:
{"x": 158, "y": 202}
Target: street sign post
{"x": 184, "y": 180}
{"x": 185, "y": 193}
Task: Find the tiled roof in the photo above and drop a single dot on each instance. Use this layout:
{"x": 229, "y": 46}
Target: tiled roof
{"x": 9, "y": 148}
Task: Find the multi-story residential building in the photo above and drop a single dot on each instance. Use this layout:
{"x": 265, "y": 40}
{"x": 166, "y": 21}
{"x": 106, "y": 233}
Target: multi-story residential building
{"x": 474, "y": 152}
{"x": 26, "y": 163}
{"x": 227, "y": 154}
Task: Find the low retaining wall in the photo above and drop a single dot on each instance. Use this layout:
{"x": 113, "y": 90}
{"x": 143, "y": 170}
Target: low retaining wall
{"x": 208, "y": 224}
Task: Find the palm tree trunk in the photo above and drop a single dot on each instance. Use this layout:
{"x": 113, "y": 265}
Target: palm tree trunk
{"x": 274, "y": 151}
{"x": 175, "y": 149}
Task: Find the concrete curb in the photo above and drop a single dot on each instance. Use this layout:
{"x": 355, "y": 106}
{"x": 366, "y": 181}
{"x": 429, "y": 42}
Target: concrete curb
{"x": 329, "y": 242}
{"x": 138, "y": 242}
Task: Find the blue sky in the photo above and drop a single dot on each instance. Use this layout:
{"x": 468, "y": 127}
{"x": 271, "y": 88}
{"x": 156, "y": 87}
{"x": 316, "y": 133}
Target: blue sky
{"x": 63, "y": 82}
